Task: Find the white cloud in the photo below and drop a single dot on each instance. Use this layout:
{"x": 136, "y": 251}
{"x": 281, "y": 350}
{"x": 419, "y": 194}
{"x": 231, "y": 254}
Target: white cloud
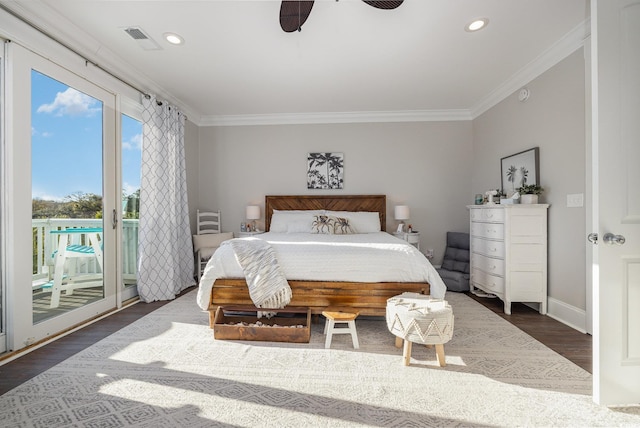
{"x": 37, "y": 194}
{"x": 135, "y": 143}
{"x": 72, "y": 103}
{"x": 45, "y": 134}
{"x": 129, "y": 189}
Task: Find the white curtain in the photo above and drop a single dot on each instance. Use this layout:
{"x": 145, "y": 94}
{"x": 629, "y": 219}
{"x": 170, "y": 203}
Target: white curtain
{"x": 165, "y": 251}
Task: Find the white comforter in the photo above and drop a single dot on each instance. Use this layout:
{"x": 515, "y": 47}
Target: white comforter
{"x": 367, "y": 257}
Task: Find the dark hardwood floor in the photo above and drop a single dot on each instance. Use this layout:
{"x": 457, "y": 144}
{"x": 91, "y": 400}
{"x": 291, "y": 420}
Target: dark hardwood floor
{"x": 39, "y": 360}
{"x": 566, "y": 341}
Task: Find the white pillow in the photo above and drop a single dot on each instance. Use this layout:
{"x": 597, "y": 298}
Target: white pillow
{"x": 343, "y": 226}
{"x": 300, "y": 226}
{"x": 322, "y": 224}
{"x": 281, "y": 219}
{"x": 210, "y": 240}
{"x": 361, "y": 221}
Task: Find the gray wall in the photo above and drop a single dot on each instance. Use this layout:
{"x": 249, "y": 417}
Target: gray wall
{"x": 191, "y": 154}
{"x": 424, "y": 165}
{"x": 553, "y": 118}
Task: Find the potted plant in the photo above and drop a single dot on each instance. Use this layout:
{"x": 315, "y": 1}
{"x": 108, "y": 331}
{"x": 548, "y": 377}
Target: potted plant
{"x": 529, "y": 193}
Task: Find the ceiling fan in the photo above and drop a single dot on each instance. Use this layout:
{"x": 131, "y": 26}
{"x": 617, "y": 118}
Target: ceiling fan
{"x": 295, "y": 13}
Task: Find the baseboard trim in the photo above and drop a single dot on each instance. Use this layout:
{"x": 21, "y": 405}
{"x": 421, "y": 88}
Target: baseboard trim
{"x": 571, "y": 316}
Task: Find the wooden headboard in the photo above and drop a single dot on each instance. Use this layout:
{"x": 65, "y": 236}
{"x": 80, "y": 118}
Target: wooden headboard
{"x": 327, "y": 202}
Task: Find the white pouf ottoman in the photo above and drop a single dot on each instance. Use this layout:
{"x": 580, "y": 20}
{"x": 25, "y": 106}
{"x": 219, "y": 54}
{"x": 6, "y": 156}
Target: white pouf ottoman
{"x": 417, "y": 318}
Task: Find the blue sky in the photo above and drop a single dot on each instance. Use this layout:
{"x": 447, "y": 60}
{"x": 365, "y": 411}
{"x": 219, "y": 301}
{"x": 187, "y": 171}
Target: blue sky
{"x": 66, "y": 142}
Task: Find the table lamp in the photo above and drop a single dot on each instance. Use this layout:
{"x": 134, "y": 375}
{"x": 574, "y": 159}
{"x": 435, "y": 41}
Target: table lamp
{"x": 253, "y": 214}
{"x": 401, "y": 212}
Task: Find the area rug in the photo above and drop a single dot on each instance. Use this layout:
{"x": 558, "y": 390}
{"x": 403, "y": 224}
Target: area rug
{"x": 166, "y": 370}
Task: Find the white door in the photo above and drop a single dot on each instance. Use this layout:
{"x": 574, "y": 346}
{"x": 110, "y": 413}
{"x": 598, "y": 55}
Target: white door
{"x": 49, "y": 155}
{"x": 616, "y": 215}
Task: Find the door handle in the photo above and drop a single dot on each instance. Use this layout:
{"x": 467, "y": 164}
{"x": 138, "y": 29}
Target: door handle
{"x": 114, "y": 220}
{"x": 611, "y": 239}
{"x": 593, "y": 238}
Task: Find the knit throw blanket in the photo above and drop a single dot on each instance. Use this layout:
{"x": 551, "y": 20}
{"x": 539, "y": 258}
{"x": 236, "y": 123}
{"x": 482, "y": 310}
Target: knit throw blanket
{"x": 268, "y": 287}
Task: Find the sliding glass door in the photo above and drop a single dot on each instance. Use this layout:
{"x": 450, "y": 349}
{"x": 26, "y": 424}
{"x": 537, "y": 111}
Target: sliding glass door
{"x": 65, "y": 209}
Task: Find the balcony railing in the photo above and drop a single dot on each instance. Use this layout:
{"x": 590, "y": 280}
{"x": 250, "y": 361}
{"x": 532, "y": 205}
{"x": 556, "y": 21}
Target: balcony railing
{"x": 45, "y": 244}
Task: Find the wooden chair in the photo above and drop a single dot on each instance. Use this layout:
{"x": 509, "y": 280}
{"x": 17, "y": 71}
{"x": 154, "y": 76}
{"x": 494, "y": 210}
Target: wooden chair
{"x": 207, "y": 238}
{"x": 208, "y": 222}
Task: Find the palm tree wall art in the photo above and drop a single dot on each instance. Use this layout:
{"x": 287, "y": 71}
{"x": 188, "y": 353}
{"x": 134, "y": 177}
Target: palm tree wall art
{"x": 325, "y": 170}
{"x": 520, "y": 169}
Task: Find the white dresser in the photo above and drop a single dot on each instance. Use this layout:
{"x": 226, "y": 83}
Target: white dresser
{"x": 509, "y": 252}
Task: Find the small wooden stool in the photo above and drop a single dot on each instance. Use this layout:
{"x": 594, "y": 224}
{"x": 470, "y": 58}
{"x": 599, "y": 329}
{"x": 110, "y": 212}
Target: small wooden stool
{"x": 337, "y": 316}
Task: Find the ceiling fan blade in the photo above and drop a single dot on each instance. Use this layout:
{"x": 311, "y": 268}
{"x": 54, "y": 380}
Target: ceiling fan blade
{"x": 384, "y": 4}
{"x": 293, "y": 14}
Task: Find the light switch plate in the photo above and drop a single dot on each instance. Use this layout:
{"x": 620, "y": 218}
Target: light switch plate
{"x": 575, "y": 200}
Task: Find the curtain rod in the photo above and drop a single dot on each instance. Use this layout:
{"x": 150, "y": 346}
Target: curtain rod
{"x": 159, "y": 102}
{"x": 86, "y": 60}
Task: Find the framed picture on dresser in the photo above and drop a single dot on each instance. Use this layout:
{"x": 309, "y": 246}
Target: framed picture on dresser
{"x": 519, "y": 169}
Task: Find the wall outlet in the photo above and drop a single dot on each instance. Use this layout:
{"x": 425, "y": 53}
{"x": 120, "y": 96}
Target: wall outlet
{"x": 429, "y": 253}
{"x": 575, "y": 200}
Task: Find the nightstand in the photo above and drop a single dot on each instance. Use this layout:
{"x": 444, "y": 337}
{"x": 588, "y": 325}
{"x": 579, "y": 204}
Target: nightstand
{"x": 412, "y": 238}
{"x": 246, "y": 234}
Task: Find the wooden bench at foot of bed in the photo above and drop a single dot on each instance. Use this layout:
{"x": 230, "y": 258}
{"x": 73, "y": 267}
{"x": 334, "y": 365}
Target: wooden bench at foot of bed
{"x": 367, "y": 298}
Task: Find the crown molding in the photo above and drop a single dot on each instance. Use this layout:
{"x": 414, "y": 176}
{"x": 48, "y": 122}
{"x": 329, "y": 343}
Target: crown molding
{"x": 564, "y": 47}
{"x": 337, "y": 117}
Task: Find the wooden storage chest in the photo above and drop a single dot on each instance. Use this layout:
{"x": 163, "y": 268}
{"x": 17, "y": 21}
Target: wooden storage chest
{"x": 293, "y": 324}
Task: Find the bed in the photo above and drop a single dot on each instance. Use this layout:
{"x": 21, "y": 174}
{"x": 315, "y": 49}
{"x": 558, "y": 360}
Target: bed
{"x": 328, "y": 286}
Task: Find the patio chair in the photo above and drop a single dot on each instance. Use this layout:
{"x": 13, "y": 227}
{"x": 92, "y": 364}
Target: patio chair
{"x": 67, "y": 250}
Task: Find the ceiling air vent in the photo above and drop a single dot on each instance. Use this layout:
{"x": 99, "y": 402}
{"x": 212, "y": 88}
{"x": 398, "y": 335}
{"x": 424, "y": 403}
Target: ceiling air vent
{"x": 143, "y": 40}
{"x": 136, "y": 33}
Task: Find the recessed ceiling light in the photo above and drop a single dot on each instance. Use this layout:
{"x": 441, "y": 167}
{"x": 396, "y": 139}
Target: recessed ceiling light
{"x": 173, "y": 38}
{"x": 476, "y": 24}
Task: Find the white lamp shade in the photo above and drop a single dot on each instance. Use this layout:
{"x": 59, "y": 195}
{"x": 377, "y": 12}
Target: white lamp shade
{"x": 253, "y": 212}
{"x": 401, "y": 212}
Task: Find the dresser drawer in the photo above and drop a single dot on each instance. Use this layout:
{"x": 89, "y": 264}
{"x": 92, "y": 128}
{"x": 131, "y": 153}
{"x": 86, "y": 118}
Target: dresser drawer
{"x": 487, "y": 264}
{"x": 488, "y": 230}
{"x": 488, "y": 214}
{"x": 488, "y": 282}
{"x": 488, "y": 248}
